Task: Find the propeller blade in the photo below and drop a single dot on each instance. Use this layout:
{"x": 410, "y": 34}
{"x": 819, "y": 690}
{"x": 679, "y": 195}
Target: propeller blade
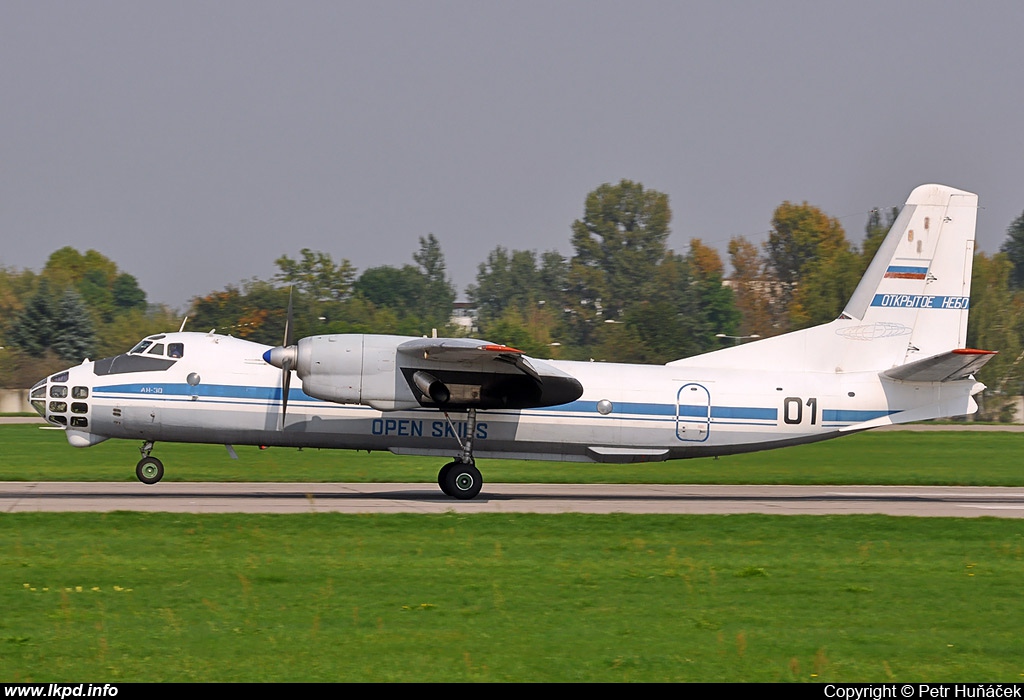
{"x": 286, "y": 362}
{"x": 286, "y": 380}
{"x": 288, "y": 321}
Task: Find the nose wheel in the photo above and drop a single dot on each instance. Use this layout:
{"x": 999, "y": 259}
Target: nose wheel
{"x": 149, "y": 470}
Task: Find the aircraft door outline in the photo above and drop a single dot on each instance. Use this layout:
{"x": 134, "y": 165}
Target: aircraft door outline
{"x": 693, "y": 413}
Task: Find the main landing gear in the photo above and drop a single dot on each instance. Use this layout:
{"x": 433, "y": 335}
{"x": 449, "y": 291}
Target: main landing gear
{"x": 461, "y": 479}
{"x": 149, "y": 470}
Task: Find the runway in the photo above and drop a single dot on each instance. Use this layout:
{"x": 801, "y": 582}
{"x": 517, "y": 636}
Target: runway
{"x": 925, "y": 501}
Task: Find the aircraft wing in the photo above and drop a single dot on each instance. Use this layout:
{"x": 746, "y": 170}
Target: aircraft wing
{"x": 467, "y": 351}
{"x": 945, "y": 367}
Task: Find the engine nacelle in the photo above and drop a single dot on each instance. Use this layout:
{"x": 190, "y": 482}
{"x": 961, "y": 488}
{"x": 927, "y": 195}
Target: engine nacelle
{"x": 393, "y": 373}
{"x": 354, "y": 368}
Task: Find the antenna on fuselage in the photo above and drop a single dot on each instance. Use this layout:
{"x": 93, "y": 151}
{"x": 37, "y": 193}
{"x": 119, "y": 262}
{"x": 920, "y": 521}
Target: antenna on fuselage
{"x": 183, "y": 322}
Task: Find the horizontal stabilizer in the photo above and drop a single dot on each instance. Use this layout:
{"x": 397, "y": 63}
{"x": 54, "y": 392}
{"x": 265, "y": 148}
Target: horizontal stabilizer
{"x": 945, "y": 367}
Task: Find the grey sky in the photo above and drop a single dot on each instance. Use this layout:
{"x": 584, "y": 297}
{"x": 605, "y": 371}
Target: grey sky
{"x": 195, "y": 142}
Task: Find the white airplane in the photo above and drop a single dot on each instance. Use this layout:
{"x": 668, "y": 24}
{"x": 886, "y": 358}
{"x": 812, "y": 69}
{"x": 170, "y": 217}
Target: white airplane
{"x": 895, "y": 355}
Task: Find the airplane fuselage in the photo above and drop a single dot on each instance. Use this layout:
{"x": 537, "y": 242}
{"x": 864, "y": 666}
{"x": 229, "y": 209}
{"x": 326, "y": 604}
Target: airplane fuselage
{"x": 220, "y": 390}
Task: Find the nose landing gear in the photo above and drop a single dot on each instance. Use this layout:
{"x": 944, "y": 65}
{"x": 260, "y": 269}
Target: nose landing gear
{"x": 149, "y": 470}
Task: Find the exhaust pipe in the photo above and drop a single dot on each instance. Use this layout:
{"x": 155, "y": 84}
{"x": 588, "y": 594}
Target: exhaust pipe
{"x": 432, "y": 386}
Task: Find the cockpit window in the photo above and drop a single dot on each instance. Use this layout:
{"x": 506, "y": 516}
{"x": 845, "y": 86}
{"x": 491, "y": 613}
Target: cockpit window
{"x": 175, "y": 350}
{"x": 157, "y": 349}
{"x": 140, "y": 347}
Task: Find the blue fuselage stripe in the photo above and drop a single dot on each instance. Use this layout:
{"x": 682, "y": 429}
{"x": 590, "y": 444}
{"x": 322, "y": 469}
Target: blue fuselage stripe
{"x": 625, "y": 410}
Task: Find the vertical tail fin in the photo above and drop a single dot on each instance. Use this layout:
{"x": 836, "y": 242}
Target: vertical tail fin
{"x": 918, "y": 286}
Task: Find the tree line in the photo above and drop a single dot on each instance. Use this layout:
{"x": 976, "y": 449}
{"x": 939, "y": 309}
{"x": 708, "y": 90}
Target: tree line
{"x": 622, "y": 295}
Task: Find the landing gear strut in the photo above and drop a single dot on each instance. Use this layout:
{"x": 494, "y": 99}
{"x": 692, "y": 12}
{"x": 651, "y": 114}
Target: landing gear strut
{"x": 149, "y": 470}
{"x": 461, "y": 479}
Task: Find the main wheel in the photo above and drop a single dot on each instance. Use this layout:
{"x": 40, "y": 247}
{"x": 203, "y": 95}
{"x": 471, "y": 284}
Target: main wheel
{"x": 149, "y": 470}
{"x": 442, "y": 477}
{"x": 462, "y": 481}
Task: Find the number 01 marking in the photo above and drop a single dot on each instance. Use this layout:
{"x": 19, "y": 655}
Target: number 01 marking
{"x": 793, "y": 410}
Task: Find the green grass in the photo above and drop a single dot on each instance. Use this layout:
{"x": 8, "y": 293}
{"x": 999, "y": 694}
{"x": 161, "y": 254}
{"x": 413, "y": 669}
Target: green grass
{"x": 887, "y": 458}
{"x": 500, "y": 597}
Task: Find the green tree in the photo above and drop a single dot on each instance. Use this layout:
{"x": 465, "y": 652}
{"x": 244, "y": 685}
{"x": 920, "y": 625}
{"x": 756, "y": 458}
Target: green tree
{"x": 800, "y": 249}
{"x": 105, "y": 290}
{"x": 316, "y": 275}
{"x": 399, "y": 288}
{"x": 1013, "y": 247}
{"x": 686, "y": 309}
{"x": 255, "y": 311}
{"x": 754, "y": 291}
{"x": 47, "y": 323}
{"x": 96, "y": 290}
{"x": 618, "y": 242}
{"x": 512, "y": 289}
{"x": 622, "y": 341}
{"x": 74, "y": 337}
{"x": 64, "y": 268}
{"x": 126, "y": 294}
{"x": 715, "y": 302}
{"x": 996, "y": 322}
{"x": 877, "y": 228}
{"x": 800, "y": 234}
{"x": 618, "y": 245}
{"x": 439, "y": 294}
{"x": 508, "y": 279}
{"x": 552, "y": 278}
{"x": 662, "y": 326}
{"x": 80, "y": 305}
{"x": 825, "y": 287}
{"x": 15, "y": 288}
{"x": 35, "y": 326}
{"x": 514, "y": 330}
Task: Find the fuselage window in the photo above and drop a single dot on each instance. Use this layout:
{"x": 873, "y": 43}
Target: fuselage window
{"x": 58, "y": 391}
{"x": 39, "y": 392}
{"x": 79, "y": 422}
{"x": 80, "y": 392}
{"x": 79, "y": 407}
{"x": 157, "y": 349}
{"x": 58, "y": 406}
{"x": 175, "y": 350}
{"x": 140, "y": 347}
